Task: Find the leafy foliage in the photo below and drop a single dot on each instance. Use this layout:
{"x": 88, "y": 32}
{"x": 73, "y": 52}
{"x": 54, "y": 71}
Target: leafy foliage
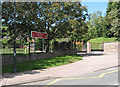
{"x": 102, "y": 39}
{"x": 68, "y": 19}
{"x": 113, "y": 19}
{"x": 96, "y": 25}
{"x": 108, "y": 26}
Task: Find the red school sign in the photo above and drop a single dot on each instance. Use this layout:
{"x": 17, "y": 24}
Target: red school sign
{"x": 36, "y": 34}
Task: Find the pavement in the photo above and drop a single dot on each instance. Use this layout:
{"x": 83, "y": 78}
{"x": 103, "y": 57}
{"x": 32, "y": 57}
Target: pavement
{"x": 91, "y": 62}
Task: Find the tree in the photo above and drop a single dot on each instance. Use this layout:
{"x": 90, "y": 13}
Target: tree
{"x": 96, "y": 25}
{"x": 24, "y": 19}
{"x": 40, "y": 16}
{"x": 74, "y": 21}
{"x": 112, "y": 19}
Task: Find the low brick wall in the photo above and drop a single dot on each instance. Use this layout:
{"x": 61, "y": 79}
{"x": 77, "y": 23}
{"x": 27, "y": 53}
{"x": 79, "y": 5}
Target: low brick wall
{"x": 111, "y": 46}
{"x": 6, "y": 60}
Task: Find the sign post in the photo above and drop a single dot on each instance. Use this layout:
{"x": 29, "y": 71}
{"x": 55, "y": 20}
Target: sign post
{"x": 42, "y": 35}
{"x": 34, "y": 44}
{"x": 43, "y": 45}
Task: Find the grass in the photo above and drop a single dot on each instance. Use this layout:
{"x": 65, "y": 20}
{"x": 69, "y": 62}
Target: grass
{"x": 42, "y": 63}
{"x": 97, "y": 42}
{"x": 102, "y": 39}
{"x": 11, "y": 51}
{"x": 79, "y": 47}
{"x": 96, "y": 46}
{"x": 19, "y": 51}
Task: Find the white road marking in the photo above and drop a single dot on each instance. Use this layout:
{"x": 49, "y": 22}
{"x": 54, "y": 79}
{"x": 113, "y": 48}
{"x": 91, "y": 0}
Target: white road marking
{"x": 112, "y": 68}
{"x": 115, "y": 84}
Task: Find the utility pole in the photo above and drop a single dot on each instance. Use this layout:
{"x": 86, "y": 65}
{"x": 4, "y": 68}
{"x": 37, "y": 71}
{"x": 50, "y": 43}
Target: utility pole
{"x": 48, "y": 41}
{"x": 14, "y": 58}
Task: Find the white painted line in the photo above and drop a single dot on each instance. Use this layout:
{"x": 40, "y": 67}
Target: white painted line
{"x": 112, "y": 68}
{"x": 115, "y": 84}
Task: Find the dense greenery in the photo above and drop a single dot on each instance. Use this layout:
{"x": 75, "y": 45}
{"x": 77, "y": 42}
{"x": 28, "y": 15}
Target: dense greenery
{"x": 113, "y": 19}
{"x": 59, "y": 20}
{"x": 42, "y": 63}
{"x": 96, "y": 25}
{"x": 96, "y": 43}
{"x": 19, "y": 51}
{"x": 102, "y": 39}
{"x": 108, "y": 26}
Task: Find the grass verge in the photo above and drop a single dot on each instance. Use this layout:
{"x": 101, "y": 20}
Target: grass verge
{"x": 42, "y": 63}
{"x": 97, "y": 42}
{"x": 19, "y": 51}
{"x": 102, "y": 40}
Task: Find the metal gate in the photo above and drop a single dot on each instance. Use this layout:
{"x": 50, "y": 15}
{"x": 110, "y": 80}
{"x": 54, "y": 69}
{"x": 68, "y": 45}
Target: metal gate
{"x": 81, "y": 47}
{"x": 97, "y": 46}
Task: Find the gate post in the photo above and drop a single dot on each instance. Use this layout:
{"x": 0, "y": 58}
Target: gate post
{"x": 103, "y": 46}
{"x": 88, "y": 47}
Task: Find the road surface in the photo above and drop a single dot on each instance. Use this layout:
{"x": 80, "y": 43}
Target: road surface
{"x": 102, "y": 77}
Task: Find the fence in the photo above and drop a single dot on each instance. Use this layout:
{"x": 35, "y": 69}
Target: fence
{"x": 23, "y": 48}
{"x": 97, "y": 46}
{"x": 81, "y": 46}
{"x": 37, "y": 48}
{"x": 20, "y": 49}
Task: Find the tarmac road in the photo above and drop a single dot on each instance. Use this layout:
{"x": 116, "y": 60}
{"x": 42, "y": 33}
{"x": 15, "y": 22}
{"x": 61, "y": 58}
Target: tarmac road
{"x": 103, "y": 77}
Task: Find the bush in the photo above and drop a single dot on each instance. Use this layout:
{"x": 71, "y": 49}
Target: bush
{"x": 5, "y": 41}
{"x": 26, "y": 43}
{"x": 38, "y": 44}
